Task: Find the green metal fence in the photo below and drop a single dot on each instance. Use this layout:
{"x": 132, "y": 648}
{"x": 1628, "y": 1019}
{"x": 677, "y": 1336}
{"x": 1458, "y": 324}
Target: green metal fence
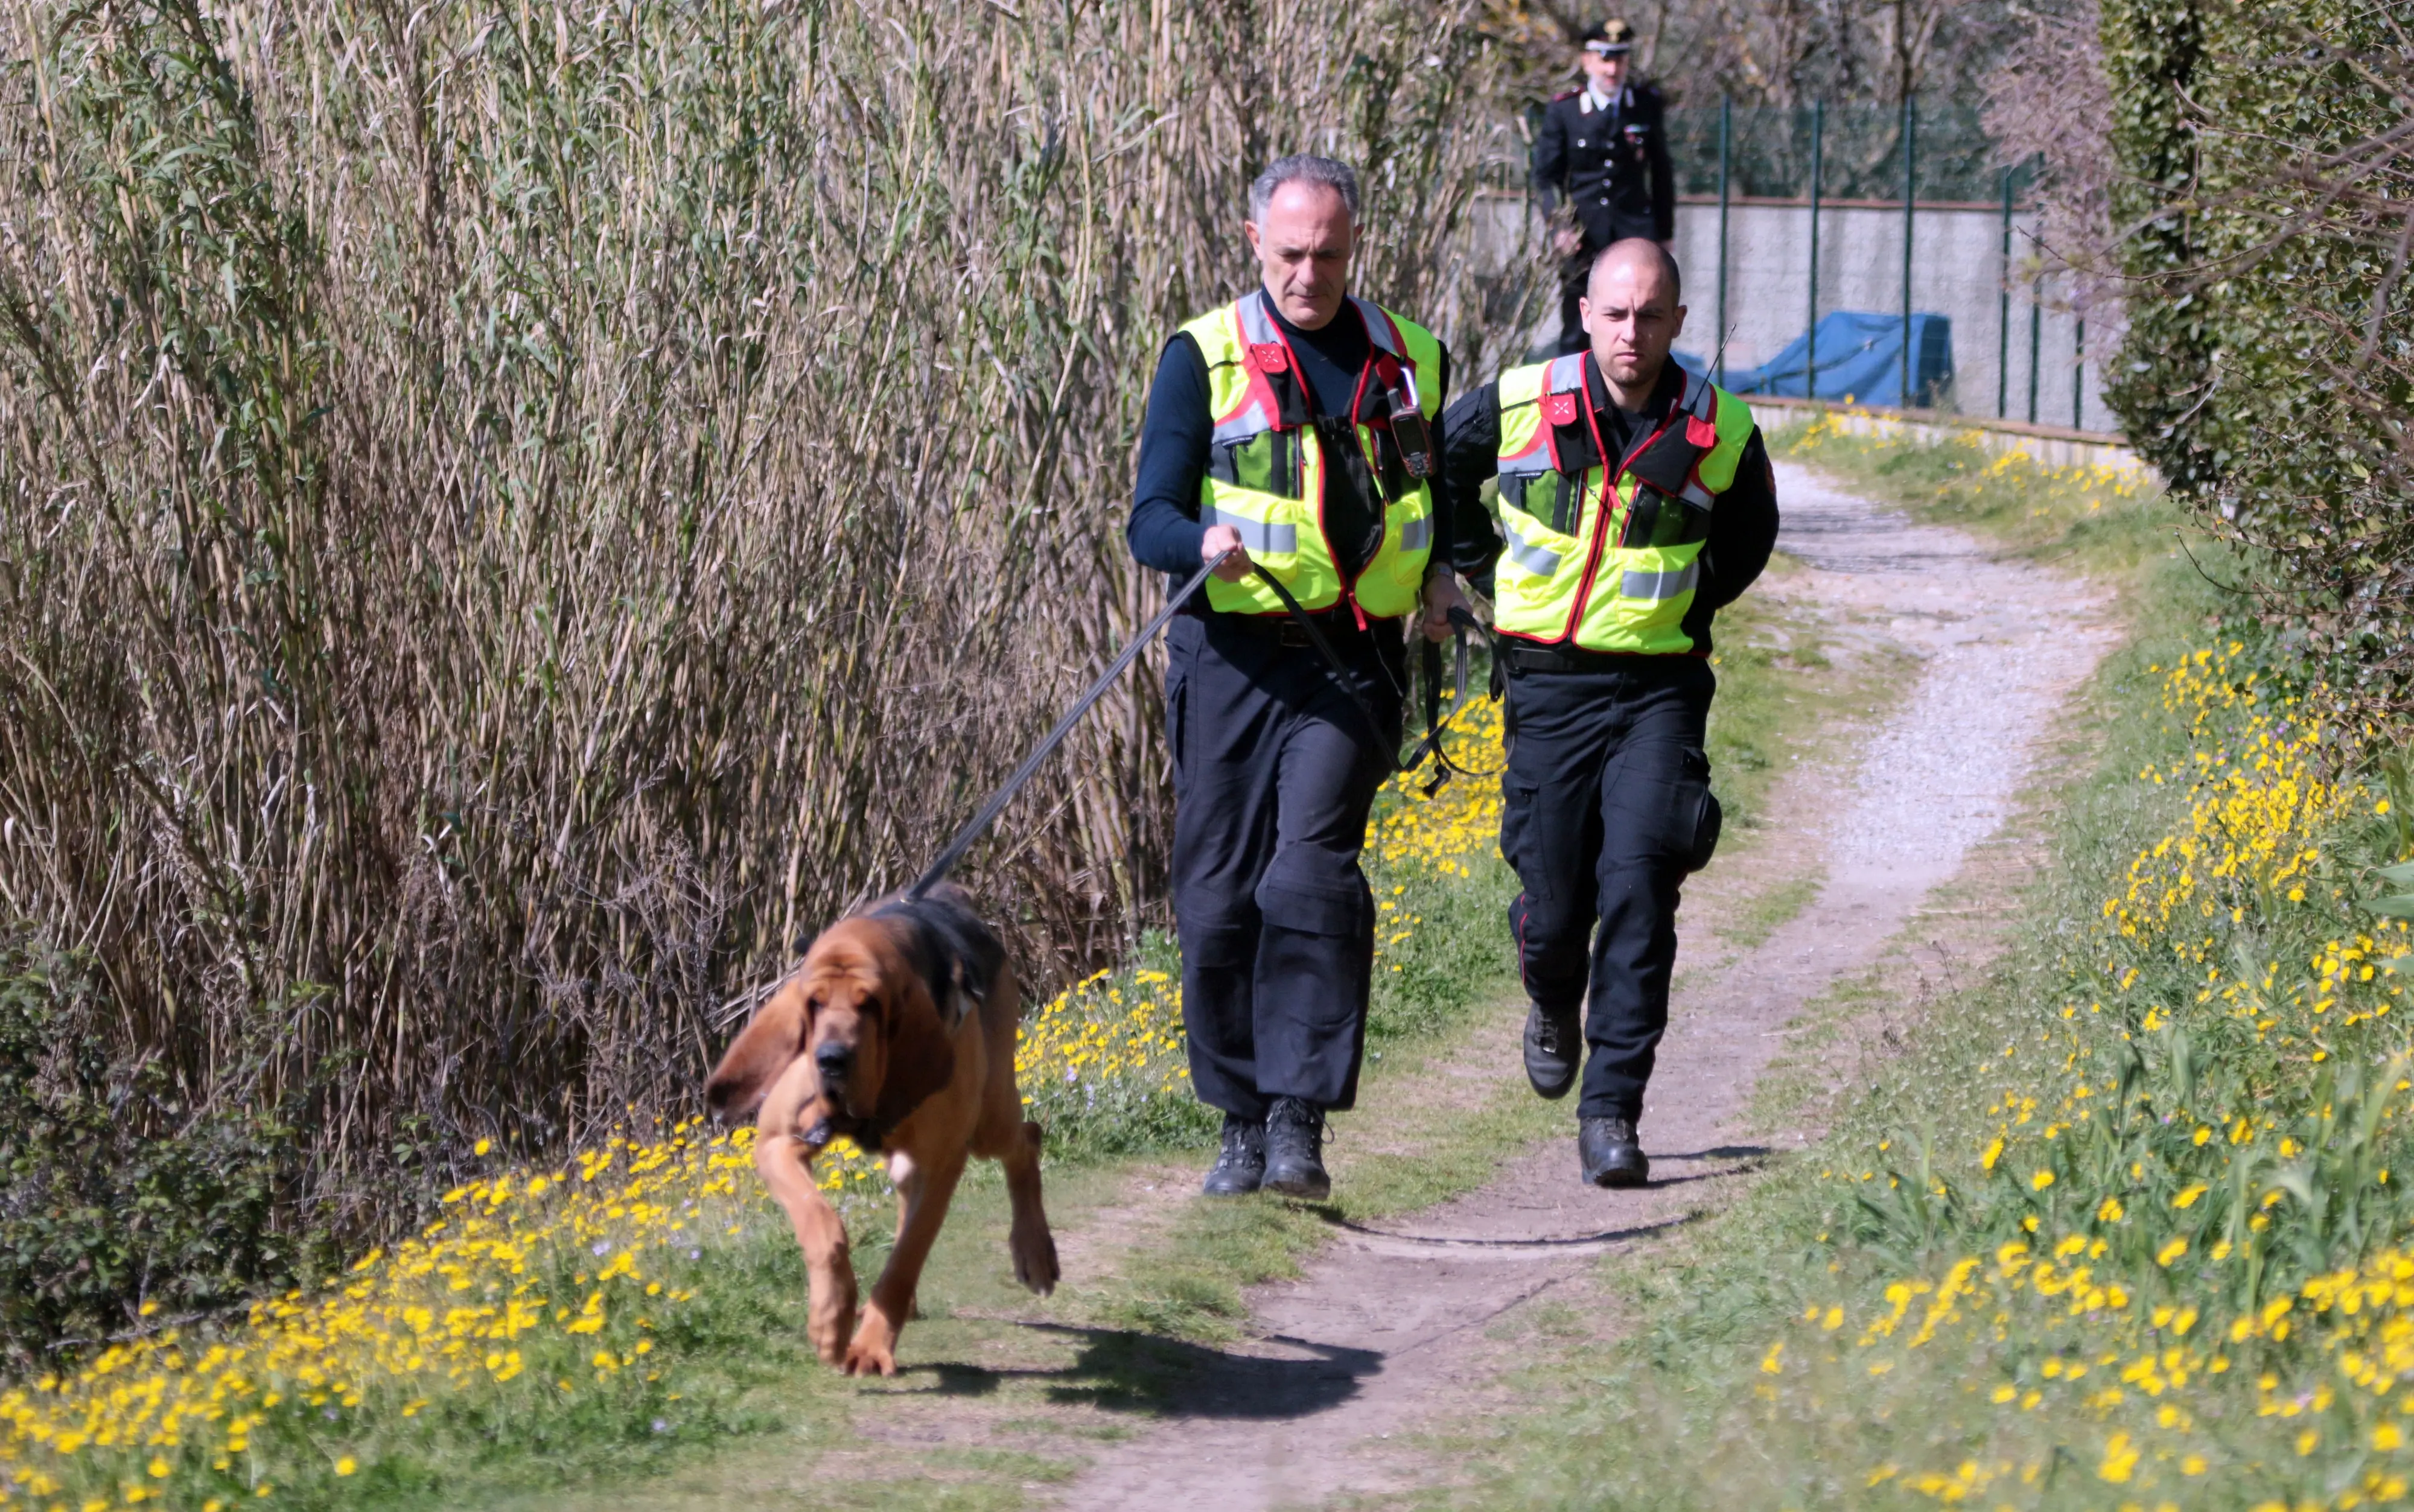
{"x": 1903, "y": 155}
{"x": 1859, "y": 150}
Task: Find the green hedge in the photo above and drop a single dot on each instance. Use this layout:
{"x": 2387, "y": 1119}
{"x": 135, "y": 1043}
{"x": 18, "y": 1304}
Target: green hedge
{"x": 2260, "y": 215}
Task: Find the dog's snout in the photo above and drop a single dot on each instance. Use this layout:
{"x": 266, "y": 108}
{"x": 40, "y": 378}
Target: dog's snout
{"x": 835, "y": 1061}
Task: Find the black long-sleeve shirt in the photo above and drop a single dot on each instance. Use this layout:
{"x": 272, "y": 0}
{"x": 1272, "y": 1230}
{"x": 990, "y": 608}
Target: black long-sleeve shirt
{"x": 1743, "y": 522}
{"x": 1164, "y": 531}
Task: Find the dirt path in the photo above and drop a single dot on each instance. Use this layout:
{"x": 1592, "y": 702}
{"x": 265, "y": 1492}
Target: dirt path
{"x": 1388, "y": 1328}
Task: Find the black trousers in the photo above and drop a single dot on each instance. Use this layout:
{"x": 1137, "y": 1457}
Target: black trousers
{"x": 1605, "y": 805}
{"x": 1275, "y": 771}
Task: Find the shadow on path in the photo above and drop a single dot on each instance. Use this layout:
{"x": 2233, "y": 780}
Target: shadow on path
{"x": 1120, "y": 1370}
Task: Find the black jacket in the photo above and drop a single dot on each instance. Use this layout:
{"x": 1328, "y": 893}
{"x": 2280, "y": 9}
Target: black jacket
{"x": 1743, "y": 522}
{"x": 1612, "y": 166}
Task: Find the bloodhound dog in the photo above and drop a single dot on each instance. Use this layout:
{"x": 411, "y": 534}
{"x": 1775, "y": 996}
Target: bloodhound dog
{"x": 897, "y": 1032}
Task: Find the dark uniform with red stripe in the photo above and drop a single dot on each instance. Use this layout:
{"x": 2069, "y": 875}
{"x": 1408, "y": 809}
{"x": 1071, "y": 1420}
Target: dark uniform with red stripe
{"x": 1611, "y": 164}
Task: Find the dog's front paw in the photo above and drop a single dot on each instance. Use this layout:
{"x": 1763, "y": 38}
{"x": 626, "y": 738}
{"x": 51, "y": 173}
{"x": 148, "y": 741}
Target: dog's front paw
{"x": 1035, "y": 1261}
{"x": 869, "y": 1355}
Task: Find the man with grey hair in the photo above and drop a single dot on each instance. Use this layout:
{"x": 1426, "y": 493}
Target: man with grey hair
{"x": 1292, "y": 437}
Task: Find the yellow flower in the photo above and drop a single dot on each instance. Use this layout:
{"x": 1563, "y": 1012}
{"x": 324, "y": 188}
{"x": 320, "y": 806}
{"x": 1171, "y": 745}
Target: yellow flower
{"x": 2041, "y": 1180}
{"x": 346, "y": 1465}
{"x": 2170, "y": 1251}
{"x": 2119, "y": 1459}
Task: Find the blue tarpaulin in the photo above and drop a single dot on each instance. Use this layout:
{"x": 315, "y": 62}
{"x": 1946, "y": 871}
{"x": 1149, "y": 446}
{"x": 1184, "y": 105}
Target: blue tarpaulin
{"x": 1860, "y": 360}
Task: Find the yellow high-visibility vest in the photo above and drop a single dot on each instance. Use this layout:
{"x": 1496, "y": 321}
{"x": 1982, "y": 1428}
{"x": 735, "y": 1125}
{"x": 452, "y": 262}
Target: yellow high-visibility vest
{"x": 1266, "y": 467}
{"x": 1607, "y": 555}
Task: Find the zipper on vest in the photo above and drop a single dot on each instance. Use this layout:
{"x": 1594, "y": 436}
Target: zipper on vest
{"x": 1608, "y": 495}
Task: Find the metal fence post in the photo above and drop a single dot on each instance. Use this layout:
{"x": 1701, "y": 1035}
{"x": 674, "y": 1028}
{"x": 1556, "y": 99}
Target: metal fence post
{"x": 1910, "y": 182}
{"x": 1726, "y": 121}
{"x": 2036, "y": 333}
{"x": 1811, "y": 335}
{"x": 2078, "y": 376}
{"x": 2004, "y": 315}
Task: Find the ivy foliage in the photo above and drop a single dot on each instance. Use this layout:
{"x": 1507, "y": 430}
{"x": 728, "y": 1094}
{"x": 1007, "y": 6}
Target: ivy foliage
{"x": 124, "y": 1205}
{"x": 2262, "y": 207}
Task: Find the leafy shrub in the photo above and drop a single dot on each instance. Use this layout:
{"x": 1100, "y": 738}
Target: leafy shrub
{"x": 122, "y": 1196}
{"x": 2264, "y": 180}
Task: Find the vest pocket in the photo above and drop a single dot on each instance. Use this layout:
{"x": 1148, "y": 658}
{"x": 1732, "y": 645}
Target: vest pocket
{"x": 1551, "y": 498}
{"x": 1708, "y": 821}
{"x": 1658, "y": 519}
{"x": 1266, "y": 463}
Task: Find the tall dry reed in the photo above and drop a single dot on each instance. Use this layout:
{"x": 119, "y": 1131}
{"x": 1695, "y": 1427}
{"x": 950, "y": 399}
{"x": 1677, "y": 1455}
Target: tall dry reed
{"x": 517, "y": 512}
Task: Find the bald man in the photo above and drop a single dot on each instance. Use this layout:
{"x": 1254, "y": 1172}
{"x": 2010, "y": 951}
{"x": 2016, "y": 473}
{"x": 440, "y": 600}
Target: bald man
{"x": 1635, "y": 502}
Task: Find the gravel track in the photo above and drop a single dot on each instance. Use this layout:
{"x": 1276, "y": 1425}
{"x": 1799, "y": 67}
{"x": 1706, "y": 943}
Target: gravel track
{"x": 1388, "y": 1328}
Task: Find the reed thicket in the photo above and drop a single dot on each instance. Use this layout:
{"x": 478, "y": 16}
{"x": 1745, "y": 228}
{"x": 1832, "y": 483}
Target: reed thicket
{"x": 516, "y": 513}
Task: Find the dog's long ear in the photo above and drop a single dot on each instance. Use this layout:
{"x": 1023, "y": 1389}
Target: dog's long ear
{"x": 775, "y": 1037}
{"x": 918, "y": 1058}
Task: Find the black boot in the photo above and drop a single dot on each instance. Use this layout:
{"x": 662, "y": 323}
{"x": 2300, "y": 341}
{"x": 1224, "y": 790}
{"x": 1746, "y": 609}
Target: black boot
{"x": 1295, "y": 1150}
{"x": 1554, "y": 1049}
{"x": 1241, "y": 1165}
{"x": 1612, "y": 1155}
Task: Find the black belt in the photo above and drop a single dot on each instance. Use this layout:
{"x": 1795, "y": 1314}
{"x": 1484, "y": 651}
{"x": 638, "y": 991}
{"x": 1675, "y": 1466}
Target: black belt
{"x": 1284, "y": 630}
{"x": 1525, "y": 656}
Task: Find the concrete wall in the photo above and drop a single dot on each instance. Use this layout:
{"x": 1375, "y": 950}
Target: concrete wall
{"x": 1958, "y": 269}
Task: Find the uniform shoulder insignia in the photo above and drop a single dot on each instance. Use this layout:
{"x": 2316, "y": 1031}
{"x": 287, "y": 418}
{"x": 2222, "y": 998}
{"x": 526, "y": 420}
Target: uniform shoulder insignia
{"x": 1565, "y": 94}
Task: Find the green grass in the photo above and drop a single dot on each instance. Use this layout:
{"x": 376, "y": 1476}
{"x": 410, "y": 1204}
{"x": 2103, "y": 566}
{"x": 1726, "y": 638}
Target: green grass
{"x": 1771, "y": 909}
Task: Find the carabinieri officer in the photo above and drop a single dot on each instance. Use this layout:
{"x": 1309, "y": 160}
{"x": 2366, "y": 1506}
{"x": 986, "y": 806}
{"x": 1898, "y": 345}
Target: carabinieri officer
{"x": 1634, "y": 500}
{"x": 1296, "y": 428}
{"x": 1604, "y": 148}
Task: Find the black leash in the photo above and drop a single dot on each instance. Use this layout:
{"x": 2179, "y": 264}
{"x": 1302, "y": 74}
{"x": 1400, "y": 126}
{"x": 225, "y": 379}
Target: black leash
{"x": 998, "y": 800}
{"x": 1460, "y": 619}
{"x": 1461, "y": 623}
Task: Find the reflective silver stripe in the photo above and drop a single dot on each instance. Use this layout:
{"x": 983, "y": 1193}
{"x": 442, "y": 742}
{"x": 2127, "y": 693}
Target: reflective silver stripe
{"x": 1378, "y": 325}
{"x": 1416, "y": 533}
{"x": 1257, "y": 535}
{"x": 1566, "y": 375}
{"x": 1700, "y": 399}
{"x": 1249, "y": 421}
{"x": 1540, "y": 560}
{"x": 1695, "y": 495}
{"x": 1257, "y": 326}
{"x": 1657, "y": 586}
